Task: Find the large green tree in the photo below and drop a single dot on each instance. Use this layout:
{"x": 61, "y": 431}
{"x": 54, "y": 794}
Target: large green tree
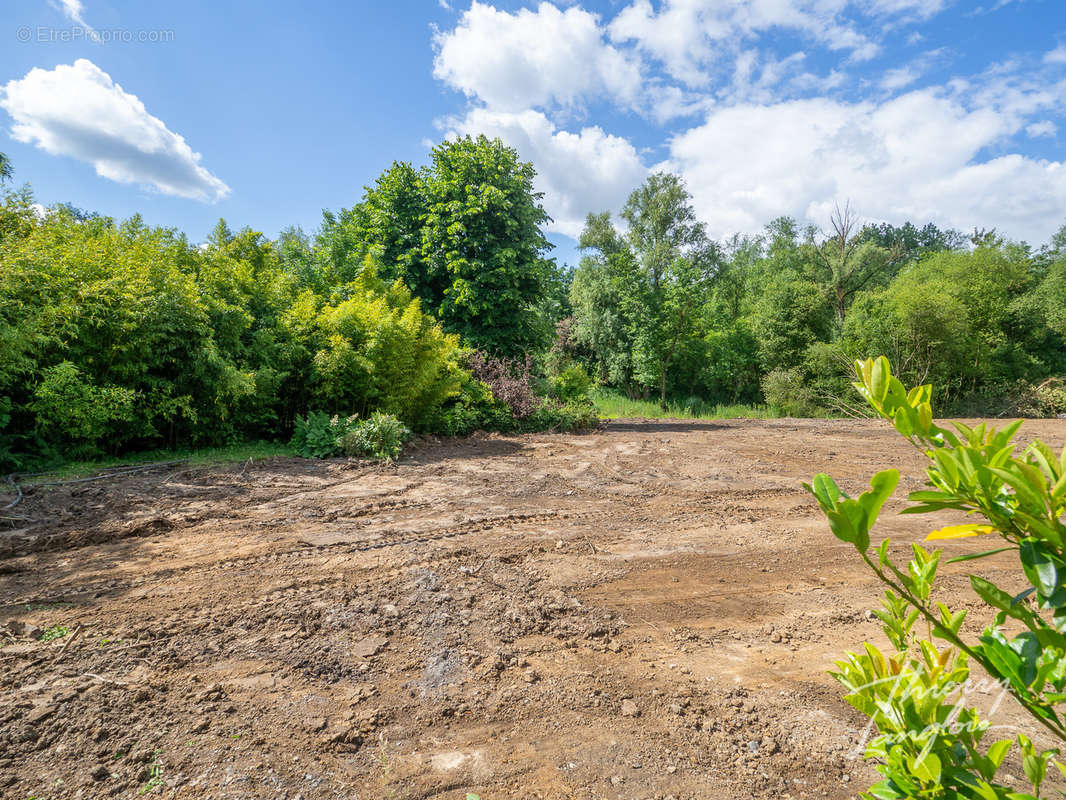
{"x": 463, "y": 233}
{"x": 657, "y": 276}
{"x": 482, "y": 230}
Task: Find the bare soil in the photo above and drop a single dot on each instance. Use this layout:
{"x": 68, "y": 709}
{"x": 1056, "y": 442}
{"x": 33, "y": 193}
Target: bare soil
{"x": 647, "y": 611}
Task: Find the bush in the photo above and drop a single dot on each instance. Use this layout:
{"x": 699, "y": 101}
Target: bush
{"x": 69, "y": 406}
{"x": 787, "y": 394}
{"x": 572, "y": 383}
{"x": 319, "y": 435}
{"x": 475, "y": 409}
{"x": 929, "y": 743}
{"x": 378, "y": 351}
{"x": 1047, "y": 399}
{"x": 381, "y": 436}
{"x": 575, "y": 415}
{"x": 510, "y": 382}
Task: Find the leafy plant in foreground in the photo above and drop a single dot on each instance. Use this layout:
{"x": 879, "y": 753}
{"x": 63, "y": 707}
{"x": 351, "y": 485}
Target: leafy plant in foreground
{"x": 929, "y": 743}
{"x": 381, "y": 436}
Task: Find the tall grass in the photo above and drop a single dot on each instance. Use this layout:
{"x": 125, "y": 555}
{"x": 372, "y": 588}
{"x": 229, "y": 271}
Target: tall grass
{"x": 613, "y": 404}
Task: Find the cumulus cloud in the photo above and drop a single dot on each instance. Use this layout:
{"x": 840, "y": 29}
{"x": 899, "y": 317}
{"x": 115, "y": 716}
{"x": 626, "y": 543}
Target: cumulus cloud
{"x": 578, "y": 172}
{"x": 693, "y": 37}
{"x": 533, "y": 58}
{"x": 79, "y": 111}
{"x": 917, "y": 156}
{"x": 1056, "y": 56}
{"x": 1043, "y": 128}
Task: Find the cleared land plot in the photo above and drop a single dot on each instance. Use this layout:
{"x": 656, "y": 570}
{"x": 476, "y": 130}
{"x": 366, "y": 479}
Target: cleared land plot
{"x": 645, "y": 611}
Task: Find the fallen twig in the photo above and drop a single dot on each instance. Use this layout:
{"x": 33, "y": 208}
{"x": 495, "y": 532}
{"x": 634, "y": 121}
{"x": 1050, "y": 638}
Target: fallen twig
{"x": 68, "y": 643}
{"x": 18, "y": 493}
{"x": 102, "y": 679}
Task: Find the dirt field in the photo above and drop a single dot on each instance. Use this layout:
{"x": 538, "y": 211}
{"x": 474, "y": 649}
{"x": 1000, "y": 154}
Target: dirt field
{"x": 643, "y": 612}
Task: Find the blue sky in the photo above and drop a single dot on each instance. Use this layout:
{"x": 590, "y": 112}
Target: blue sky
{"x": 267, "y": 113}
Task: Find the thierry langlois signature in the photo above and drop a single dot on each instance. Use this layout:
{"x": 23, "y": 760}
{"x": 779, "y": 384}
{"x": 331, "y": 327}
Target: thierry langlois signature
{"x": 965, "y": 691}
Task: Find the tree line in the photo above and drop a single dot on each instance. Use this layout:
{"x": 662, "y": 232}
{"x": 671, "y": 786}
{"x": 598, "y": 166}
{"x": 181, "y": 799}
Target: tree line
{"x": 658, "y": 308}
{"x": 435, "y": 299}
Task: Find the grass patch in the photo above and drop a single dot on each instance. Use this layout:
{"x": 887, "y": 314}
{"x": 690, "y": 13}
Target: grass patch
{"x": 613, "y": 404}
{"x": 206, "y": 455}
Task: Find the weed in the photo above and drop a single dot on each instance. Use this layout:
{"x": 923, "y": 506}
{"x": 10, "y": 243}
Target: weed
{"x": 48, "y": 606}
{"x": 155, "y": 776}
{"x": 56, "y": 632}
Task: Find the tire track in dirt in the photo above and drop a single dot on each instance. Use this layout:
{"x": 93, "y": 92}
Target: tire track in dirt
{"x": 306, "y": 550}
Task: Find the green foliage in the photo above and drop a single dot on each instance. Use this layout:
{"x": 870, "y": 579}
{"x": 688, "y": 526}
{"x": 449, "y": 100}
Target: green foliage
{"x": 119, "y": 336}
{"x": 319, "y": 435}
{"x": 929, "y": 743}
{"x": 67, "y": 404}
{"x": 475, "y": 409}
{"x": 53, "y": 633}
{"x": 482, "y": 229}
{"x": 637, "y": 297}
{"x": 377, "y": 349}
{"x": 571, "y": 383}
{"x": 573, "y": 415}
{"x": 463, "y": 234}
{"x": 381, "y": 436}
{"x": 788, "y": 394}
{"x": 1048, "y": 399}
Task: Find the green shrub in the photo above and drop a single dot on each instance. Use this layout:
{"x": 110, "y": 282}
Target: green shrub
{"x": 474, "y": 409}
{"x": 929, "y": 743}
{"x": 376, "y": 350}
{"x": 1047, "y": 399}
{"x": 319, "y": 435}
{"x": 69, "y": 406}
{"x": 572, "y": 383}
{"x": 380, "y": 436}
{"x": 787, "y": 394}
{"x": 575, "y": 415}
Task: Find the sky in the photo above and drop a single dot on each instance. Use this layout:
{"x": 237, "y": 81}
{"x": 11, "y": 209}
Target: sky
{"x": 267, "y": 113}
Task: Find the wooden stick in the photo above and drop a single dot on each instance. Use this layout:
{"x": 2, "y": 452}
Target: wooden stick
{"x": 68, "y": 643}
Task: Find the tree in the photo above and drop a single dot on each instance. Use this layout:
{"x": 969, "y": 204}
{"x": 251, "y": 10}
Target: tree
{"x": 390, "y": 224}
{"x": 847, "y": 262}
{"x": 6, "y": 170}
{"x": 912, "y": 242}
{"x": 463, "y": 234}
{"x": 602, "y": 325}
{"x": 482, "y": 230}
{"x": 658, "y": 275}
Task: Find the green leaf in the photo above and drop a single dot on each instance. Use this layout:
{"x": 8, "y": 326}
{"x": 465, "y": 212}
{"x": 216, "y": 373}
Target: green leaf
{"x": 926, "y": 767}
{"x": 974, "y": 556}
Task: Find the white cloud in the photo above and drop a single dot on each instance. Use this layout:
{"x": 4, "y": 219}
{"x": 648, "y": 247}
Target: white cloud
{"x": 78, "y": 111}
{"x": 74, "y": 11}
{"x": 917, "y": 157}
{"x": 533, "y": 58}
{"x": 693, "y": 37}
{"x": 578, "y": 172}
{"x": 1056, "y": 56}
{"x": 898, "y": 78}
{"x": 1043, "y": 128}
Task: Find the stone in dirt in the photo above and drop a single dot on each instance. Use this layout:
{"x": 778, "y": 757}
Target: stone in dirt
{"x": 368, "y": 647}
{"x": 629, "y": 709}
